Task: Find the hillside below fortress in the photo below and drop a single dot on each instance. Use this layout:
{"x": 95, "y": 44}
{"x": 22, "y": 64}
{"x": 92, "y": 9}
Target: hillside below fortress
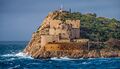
{"x": 61, "y": 34}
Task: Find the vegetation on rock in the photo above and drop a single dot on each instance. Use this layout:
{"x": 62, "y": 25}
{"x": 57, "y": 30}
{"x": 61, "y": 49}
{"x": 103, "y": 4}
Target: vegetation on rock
{"x": 93, "y": 27}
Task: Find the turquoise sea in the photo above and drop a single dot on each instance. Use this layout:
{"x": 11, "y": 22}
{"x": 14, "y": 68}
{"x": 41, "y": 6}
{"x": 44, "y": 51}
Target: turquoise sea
{"x": 11, "y": 57}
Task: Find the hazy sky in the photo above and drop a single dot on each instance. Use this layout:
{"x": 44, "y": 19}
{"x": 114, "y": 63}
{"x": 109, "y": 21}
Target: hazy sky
{"x": 19, "y": 18}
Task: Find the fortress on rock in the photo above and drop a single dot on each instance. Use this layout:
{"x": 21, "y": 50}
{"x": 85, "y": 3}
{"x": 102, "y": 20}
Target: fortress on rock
{"x": 56, "y": 35}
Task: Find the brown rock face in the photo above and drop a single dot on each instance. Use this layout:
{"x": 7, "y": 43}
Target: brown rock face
{"x": 61, "y": 38}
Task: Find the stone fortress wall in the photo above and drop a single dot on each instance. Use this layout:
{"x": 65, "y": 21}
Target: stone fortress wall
{"x": 59, "y": 35}
{"x": 65, "y": 46}
{"x": 68, "y": 30}
{"x": 54, "y": 34}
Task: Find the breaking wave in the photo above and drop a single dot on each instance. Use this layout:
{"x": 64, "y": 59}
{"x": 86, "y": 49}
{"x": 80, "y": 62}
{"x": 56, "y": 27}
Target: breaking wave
{"x": 63, "y": 58}
{"x": 19, "y": 55}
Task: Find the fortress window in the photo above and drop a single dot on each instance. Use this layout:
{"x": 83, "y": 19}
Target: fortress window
{"x": 59, "y": 23}
{"x": 53, "y": 41}
{"x": 60, "y": 36}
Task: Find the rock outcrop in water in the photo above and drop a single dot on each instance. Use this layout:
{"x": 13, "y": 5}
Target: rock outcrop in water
{"x": 60, "y": 37}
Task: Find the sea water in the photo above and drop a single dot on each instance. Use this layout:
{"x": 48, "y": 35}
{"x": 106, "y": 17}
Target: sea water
{"x": 11, "y": 57}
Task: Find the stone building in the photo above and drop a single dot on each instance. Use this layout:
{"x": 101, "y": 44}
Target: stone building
{"x": 55, "y": 35}
{"x": 54, "y": 30}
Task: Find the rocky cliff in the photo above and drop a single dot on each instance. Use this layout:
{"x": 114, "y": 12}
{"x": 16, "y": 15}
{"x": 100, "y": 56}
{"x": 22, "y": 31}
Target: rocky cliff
{"x": 60, "y": 37}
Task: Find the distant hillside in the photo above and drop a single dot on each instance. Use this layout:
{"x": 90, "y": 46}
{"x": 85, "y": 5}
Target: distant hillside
{"x": 93, "y": 27}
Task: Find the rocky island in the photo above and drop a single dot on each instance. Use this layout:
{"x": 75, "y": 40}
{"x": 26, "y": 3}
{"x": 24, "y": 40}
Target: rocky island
{"x": 75, "y": 35}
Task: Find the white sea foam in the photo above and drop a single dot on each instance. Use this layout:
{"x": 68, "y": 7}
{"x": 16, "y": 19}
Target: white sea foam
{"x": 86, "y": 63}
{"x": 61, "y": 58}
{"x": 66, "y": 58}
{"x": 20, "y": 55}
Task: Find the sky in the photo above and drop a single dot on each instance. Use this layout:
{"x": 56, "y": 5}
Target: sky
{"x": 20, "y": 18}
